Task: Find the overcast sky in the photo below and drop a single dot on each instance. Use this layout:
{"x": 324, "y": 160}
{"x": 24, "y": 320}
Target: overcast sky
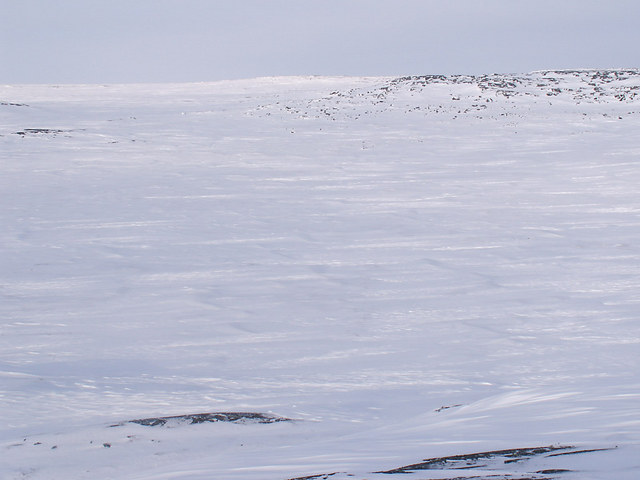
{"x": 107, "y": 41}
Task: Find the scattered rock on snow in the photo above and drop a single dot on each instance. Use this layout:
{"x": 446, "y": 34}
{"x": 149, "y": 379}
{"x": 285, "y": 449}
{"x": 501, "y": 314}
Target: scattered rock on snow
{"x": 471, "y": 460}
{"x": 233, "y": 417}
{"x": 499, "y": 462}
{"x": 10, "y": 104}
{"x": 40, "y": 131}
{"x": 424, "y": 94}
{"x": 322, "y": 476}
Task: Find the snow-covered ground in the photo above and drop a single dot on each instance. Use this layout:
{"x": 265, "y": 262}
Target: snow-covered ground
{"x": 407, "y": 268}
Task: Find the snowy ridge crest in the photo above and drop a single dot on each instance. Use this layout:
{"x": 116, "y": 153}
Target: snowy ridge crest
{"x": 490, "y": 94}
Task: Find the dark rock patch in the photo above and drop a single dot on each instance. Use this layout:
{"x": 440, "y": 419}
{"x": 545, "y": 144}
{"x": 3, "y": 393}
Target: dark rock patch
{"x": 447, "y": 407}
{"x": 496, "y": 463}
{"x": 322, "y": 476}
{"x": 232, "y": 417}
{"x": 40, "y": 131}
{"x": 474, "y": 460}
{"x": 575, "y": 452}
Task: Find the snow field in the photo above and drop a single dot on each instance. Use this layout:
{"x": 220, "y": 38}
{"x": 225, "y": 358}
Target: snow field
{"x": 175, "y": 249}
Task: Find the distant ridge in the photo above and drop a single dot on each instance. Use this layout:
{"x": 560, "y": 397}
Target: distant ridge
{"x": 471, "y": 94}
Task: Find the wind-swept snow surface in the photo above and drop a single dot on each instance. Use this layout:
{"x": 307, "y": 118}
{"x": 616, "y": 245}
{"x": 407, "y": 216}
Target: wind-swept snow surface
{"x": 424, "y": 277}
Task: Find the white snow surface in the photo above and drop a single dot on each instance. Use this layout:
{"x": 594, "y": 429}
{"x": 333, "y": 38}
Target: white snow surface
{"x": 350, "y": 253}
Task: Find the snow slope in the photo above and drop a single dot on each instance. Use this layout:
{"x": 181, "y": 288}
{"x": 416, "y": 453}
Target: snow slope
{"x": 406, "y": 269}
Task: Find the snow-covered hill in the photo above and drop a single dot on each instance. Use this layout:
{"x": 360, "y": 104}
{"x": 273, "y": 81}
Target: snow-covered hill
{"x": 419, "y": 277}
{"x": 493, "y": 97}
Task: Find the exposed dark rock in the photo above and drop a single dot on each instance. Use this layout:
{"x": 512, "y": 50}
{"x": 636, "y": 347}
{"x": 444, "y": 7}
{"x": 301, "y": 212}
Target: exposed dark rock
{"x": 40, "y": 131}
{"x": 233, "y": 417}
{"x": 472, "y": 460}
{"x": 575, "y": 452}
{"x": 447, "y": 407}
{"x": 497, "y": 461}
{"x": 322, "y": 476}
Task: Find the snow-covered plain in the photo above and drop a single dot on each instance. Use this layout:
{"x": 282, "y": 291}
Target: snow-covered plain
{"x": 407, "y": 268}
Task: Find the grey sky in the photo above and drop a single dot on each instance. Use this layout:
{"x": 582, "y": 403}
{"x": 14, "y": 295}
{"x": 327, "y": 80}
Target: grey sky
{"x": 104, "y": 41}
